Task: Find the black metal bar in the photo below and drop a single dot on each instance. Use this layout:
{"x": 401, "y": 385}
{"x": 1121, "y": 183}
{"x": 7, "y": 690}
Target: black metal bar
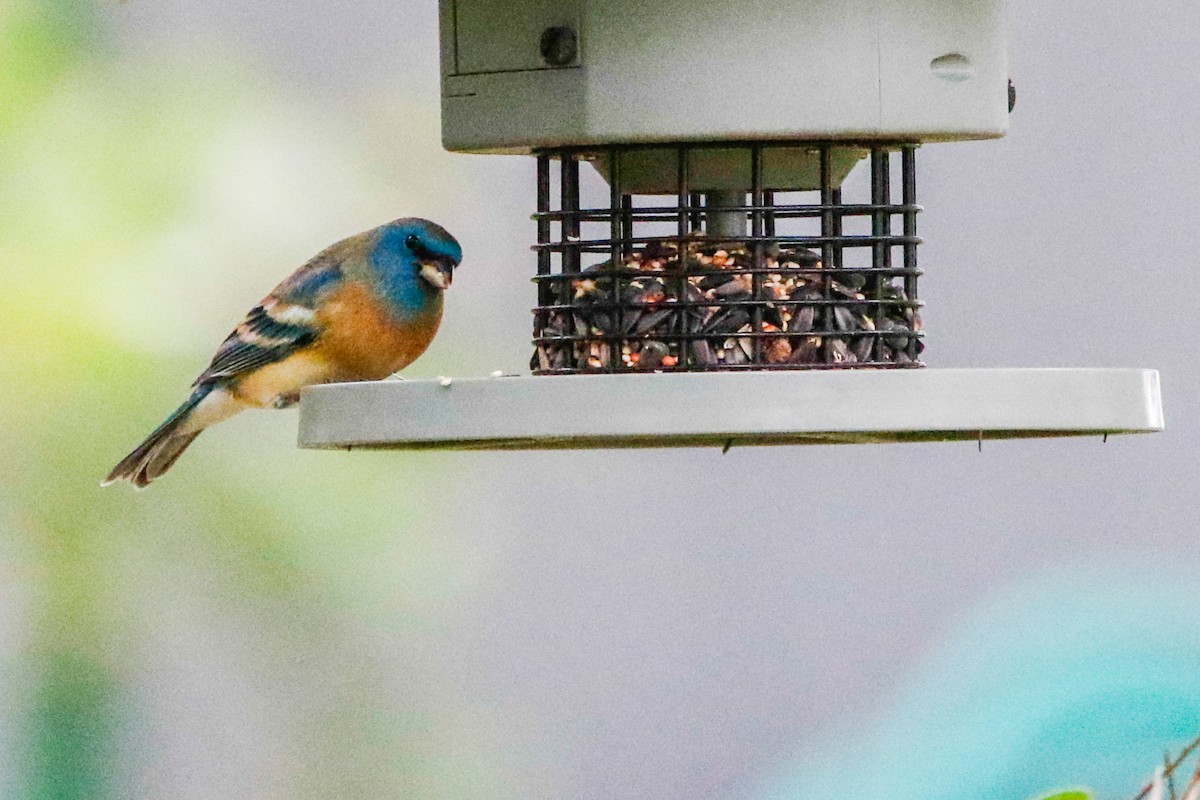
{"x": 684, "y": 228}
{"x": 827, "y": 229}
{"x": 694, "y": 200}
{"x": 814, "y": 272}
{"x": 839, "y": 212}
{"x": 668, "y": 213}
{"x": 570, "y": 209}
{"x": 908, "y": 169}
{"x": 568, "y": 185}
{"x": 678, "y": 336}
{"x": 768, "y": 205}
{"x": 881, "y": 225}
{"x": 545, "y": 288}
{"x": 603, "y": 305}
{"x": 615, "y": 211}
{"x": 543, "y": 227}
{"x": 760, "y": 367}
{"x": 602, "y": 245}
{"x": 683, "y": 196}
{"x": 627, "y": 218}
{"x": 614, "y": 253}
{"x": 756, "y": 251}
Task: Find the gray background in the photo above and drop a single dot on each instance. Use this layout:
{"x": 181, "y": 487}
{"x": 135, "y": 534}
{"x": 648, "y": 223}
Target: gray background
{"x": 904, "y": 621}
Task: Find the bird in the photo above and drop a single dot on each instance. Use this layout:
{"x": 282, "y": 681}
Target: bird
{"x": 361, "y": 309}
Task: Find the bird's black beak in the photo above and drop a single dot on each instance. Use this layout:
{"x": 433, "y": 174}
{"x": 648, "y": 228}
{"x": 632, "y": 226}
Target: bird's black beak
{"x": 438, "y": 272}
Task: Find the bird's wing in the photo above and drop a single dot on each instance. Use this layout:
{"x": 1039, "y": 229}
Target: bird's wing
{"x": 283, "y": 323}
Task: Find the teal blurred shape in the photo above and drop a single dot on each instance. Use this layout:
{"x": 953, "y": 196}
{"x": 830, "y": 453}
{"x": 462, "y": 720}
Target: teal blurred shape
{"x": 70, "y": 730}
{"x": 1082, "y": 675}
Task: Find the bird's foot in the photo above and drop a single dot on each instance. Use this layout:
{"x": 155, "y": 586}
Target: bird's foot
{"x": 286, "y": 400}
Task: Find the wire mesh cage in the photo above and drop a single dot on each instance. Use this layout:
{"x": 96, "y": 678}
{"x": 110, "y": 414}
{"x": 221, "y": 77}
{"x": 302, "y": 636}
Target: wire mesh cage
{"x": 726, "y": 257}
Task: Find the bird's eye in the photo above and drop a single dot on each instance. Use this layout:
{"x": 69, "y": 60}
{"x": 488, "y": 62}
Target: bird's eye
{"x": 412, "y": 241}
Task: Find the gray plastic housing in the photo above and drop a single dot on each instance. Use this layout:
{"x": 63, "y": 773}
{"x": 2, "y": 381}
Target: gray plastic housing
{"x": 721, "y": 70}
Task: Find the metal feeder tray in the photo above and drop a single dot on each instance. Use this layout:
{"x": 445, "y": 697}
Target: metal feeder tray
{"x": 722, "y": 409}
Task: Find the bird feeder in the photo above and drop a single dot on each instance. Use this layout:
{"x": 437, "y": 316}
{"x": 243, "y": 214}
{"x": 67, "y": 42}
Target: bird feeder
{"x": 732, "y": 286}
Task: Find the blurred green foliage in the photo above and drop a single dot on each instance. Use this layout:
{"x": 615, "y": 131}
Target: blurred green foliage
{"x": 39, "y": 42}
{"x": 99, "y": 160}
{"x": 1069, "y": 794}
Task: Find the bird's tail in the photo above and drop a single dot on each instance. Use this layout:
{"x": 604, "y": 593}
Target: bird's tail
{"x": 162, "y": 448}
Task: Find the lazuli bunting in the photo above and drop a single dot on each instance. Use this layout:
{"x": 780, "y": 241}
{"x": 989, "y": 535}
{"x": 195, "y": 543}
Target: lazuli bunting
{"x": 361, "y": 309}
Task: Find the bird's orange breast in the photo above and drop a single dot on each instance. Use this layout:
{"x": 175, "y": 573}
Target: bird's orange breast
{"x": 362, "y": 340}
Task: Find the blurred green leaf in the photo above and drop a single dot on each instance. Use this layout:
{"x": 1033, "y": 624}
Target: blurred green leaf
{"x": 40, "y": 40}
{"x": 1068, "y": 794}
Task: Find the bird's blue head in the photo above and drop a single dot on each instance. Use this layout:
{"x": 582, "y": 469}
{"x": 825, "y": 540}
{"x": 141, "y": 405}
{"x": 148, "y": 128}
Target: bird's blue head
{"x": 416, "y": 258}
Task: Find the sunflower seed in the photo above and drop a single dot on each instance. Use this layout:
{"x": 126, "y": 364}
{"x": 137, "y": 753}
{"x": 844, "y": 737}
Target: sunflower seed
{"x": 806, "y": 351}
{"x": 703, "y": 352}
{"x": 652, "y": 354}
{"x": 802, "y": 320}
{"x": 862, "y": 348}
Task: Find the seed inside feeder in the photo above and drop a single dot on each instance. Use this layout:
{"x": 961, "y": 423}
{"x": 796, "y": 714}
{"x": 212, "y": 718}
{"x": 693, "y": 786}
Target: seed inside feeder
{"x": 712, "y": 310}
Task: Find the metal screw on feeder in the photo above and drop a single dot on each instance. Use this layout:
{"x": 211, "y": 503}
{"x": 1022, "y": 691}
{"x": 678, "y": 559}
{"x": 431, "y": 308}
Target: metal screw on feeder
{"x": 731, "y": 290}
